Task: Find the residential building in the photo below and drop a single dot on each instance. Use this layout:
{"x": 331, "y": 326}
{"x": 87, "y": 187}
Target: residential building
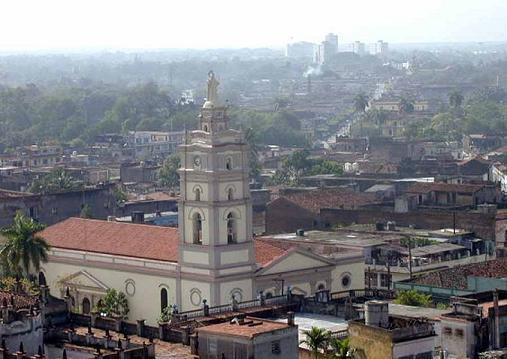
{"x": 300, "y": 49}
{"x": 439, "y": 194}
{"x": 381, "y": 335}
{"x": 498, "y": 173}
{"x": 359, "y": 48}
{"x": 249, "y": 338}
{"x": 154, "y": 144}
{"x": 381, "y": 48}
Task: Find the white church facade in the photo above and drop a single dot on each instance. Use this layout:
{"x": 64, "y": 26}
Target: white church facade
{"x": 212, "y": 256}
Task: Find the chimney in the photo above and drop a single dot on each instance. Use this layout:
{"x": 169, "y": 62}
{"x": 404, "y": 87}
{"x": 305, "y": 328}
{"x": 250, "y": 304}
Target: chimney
{"x": 137, "y": 217}
{"x": 290, "y": 318}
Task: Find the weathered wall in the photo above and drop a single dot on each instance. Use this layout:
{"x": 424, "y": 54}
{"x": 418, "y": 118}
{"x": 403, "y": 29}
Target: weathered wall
{"x": 369, "y": 344}
{"x": 484, "y": 225}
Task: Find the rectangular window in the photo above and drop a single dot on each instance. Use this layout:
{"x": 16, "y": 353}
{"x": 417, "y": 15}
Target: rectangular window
{"x": 458, "y": 333}
{"x": 425, "y": 355}
{"x": 370, "y": 279}
{"x": 275, "y": 347}
{"x": 447, "y": 331}
{"x": 385, "y": 280}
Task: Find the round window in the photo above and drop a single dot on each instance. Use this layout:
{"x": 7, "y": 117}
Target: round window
{"x": 345, "y": 281}
{"x": 130, "y": 288}
{"x": 195, "y": 297}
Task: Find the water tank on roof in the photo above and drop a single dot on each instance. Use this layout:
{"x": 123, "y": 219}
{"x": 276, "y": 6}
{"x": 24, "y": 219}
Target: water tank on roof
{"x": 376, "y": 313}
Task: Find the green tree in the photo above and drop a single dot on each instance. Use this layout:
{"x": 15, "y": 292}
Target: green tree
{"x": 341, "y": 349}
{"x": 360, "y": 102}
{"x": 413, "y": 298}
{"x": 57, "y": 180}
{"x": 253, "y": 152}
{"x": 406, "y": 106}
{"x": 86, "y": 211}
{"x": 24, "y": 249}
{"x": 456, "y": 99}
{"x": 317, "y": 340}
{"x": 168, "y": 174}
{"x": 114, "y": 304}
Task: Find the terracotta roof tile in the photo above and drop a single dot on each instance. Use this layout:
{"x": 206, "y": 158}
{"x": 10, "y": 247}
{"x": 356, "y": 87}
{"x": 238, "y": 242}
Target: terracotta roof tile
{"x": 331, "y": 198}
{"x": 130, "y": 240}
{"x": 456, "y": 277}
{"x": 125, "y": 239}
{"x": 426, "y": 187}
{"x": 251, "y": 328}
{"x": 6, "y": 194}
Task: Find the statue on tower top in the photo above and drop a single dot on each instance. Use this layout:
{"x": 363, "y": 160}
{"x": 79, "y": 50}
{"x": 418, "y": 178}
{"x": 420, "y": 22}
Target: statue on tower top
{"x": 212, "y": 88}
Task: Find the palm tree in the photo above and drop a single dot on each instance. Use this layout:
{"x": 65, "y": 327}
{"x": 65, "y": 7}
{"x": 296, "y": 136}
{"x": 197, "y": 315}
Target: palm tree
{"x": 24, "y": 248}
{"x": 341, "y": 348}
{"x": 360, "y": 102}
{"x": 317, "y": 340}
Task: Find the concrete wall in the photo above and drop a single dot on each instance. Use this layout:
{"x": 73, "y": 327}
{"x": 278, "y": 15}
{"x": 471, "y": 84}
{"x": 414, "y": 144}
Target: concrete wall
{"x": 28, "y": 330}
{"x": 370, "y": 343}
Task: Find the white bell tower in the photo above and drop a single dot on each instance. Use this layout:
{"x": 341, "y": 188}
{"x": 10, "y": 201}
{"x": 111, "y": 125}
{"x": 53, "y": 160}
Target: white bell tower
{"x": 216, "y": 252}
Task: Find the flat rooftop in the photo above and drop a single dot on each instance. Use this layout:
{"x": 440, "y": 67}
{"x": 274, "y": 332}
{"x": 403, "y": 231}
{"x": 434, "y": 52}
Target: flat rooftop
{"x": 247, "y": 328}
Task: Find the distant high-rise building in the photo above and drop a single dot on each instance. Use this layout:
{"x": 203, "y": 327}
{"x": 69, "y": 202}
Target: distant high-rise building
{"x": 359, "y": 48}
{"x": 382, "y": 48}
{"x": 332, "y": 40}
{"x": 324, "y": 51}
{"x": 300, "y": 49}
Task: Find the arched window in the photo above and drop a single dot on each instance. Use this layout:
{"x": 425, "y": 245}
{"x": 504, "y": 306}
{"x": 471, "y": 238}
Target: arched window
{"x": 42, "y": 278}
{"x": 231, "y": 229}
{"x": 86, "y": 306}
{"x": 197, "y": 194}
{"x": 230, "y": 194}
{"x": 205, "y": 128}
{"x": 163, "y": 299}
{"x": 269, "y": 295}
{"x": 321, "y": 286}
{"x": 197, "y": 230}
{"x": 228, "y": 163}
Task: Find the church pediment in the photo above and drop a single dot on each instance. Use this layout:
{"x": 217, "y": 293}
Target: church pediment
{"x": 295, "y": 260}
{"x": 83, "y": 280}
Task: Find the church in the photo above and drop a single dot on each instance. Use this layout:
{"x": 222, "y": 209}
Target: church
{"x": 211, "y": 256}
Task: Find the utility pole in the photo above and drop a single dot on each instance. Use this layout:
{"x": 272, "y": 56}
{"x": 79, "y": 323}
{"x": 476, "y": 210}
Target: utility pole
{"x": 409, "y": 257}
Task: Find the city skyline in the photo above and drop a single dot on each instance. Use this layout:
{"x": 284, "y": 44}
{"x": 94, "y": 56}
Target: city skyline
{"x": 220, "y": 24}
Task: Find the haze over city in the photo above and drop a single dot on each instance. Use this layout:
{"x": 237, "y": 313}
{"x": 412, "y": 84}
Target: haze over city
{"x": 31, "y": 25}
{"x": 258, "y": 179}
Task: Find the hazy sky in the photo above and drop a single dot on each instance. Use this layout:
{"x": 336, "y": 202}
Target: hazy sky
{"x": 72, "y": 24}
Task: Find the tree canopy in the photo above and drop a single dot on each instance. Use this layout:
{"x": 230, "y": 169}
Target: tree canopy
{"x": 24, "y": 249}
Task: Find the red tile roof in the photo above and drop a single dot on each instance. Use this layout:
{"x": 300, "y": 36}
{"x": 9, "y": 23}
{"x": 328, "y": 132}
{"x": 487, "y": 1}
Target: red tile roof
{"x": 456, "y": 277}
{"x": 130, "y": 240}
{"x": 331, "y": 198}
{"x": 20, "y": 300}
{"x": 250, "y": 328}
{"x": 426, "y": 187}
{"x": 6, "y": 194}
{"x": 265, "y": 252}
